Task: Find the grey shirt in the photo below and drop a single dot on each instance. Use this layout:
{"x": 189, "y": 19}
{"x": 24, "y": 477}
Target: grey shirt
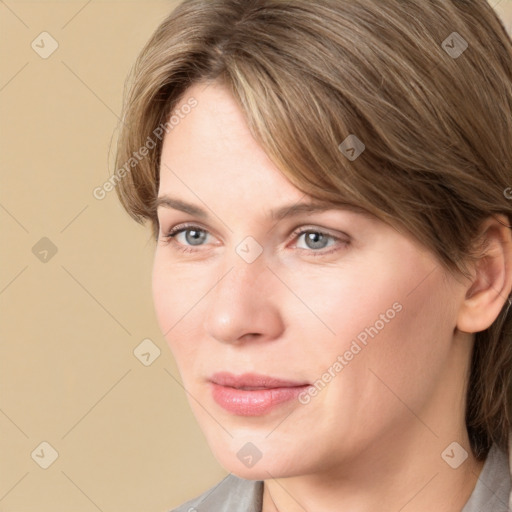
{"x": 234, "y": 494}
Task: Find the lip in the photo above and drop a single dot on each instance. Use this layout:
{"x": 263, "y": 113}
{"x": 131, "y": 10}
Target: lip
{"x": 252, "y": 394}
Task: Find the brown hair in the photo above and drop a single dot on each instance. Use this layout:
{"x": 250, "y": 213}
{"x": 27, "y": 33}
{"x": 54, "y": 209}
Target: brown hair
{"x": 426, "y": 87}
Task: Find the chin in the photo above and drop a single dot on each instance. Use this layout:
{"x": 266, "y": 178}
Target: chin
{"x": 256, "y": 459}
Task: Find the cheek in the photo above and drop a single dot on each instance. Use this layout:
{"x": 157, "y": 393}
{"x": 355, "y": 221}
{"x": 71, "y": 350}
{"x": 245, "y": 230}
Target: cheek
{"x": 378, "y": 296}
{"x": 164, "y": 299}
{"x": 419, "y": 342}
{"x": 175, "y": 293}
{"x": 393, "y": 319}
{"x": 337, "y": 304}
{"x": 403, "y": 362}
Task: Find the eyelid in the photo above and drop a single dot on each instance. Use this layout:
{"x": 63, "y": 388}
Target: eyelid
{"x": 170, "y": 235}
{"x": 339, "y": 240}
{"x": 183, "y": 227}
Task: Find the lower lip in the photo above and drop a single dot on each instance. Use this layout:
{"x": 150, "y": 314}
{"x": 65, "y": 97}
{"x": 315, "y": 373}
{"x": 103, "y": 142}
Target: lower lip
{"x": 253, "y": 402}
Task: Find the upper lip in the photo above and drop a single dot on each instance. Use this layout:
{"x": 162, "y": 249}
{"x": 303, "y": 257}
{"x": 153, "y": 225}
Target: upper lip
{"x": 252, "y": 380}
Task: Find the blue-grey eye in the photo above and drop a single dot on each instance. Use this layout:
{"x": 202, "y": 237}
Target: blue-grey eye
{"x": 197, "y": 236}
{"x": 316, "y": 239}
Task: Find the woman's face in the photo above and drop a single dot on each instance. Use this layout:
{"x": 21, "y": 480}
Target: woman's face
{"x": 353, "y": 320}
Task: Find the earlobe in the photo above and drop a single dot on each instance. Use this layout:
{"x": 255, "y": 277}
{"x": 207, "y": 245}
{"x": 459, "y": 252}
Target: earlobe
{"x": 489, "y": 290}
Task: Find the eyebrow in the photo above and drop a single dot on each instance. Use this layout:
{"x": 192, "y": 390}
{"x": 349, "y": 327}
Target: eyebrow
{"x": 277, "y": 214}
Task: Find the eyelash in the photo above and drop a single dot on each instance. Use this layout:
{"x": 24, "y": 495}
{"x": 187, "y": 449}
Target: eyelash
{"x": 170, "y": 236}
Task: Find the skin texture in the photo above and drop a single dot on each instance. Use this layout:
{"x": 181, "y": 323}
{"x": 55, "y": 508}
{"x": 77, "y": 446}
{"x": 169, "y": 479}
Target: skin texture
{"x": 372, "y": 439}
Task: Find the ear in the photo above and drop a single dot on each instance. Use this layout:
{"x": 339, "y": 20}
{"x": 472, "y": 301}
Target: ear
{"x": 491, "y": 283}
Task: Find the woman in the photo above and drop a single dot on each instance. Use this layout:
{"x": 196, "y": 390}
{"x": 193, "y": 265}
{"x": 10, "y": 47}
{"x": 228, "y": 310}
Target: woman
{"x": 328, "y": 183}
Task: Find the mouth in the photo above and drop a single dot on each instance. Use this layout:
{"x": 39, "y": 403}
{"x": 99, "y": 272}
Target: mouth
{"x": 252, "y": 394}
{"x": 251, "y": 381}
{"x": 250, "y": 388}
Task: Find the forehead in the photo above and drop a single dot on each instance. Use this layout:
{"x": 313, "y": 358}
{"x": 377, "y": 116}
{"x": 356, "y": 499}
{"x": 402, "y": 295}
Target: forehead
{"x": 211, "y": 151}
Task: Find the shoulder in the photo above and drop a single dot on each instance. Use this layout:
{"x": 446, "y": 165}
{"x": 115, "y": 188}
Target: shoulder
{"x": 230, "y": 494}
{"x": 493, "y": 489}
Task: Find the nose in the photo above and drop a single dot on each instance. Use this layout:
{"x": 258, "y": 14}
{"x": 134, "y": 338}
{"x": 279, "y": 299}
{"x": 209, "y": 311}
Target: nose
{"x": 244, "y": 304}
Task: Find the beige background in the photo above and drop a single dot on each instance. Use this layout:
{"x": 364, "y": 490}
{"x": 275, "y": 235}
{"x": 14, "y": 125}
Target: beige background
{"x": 125, "y": 437}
